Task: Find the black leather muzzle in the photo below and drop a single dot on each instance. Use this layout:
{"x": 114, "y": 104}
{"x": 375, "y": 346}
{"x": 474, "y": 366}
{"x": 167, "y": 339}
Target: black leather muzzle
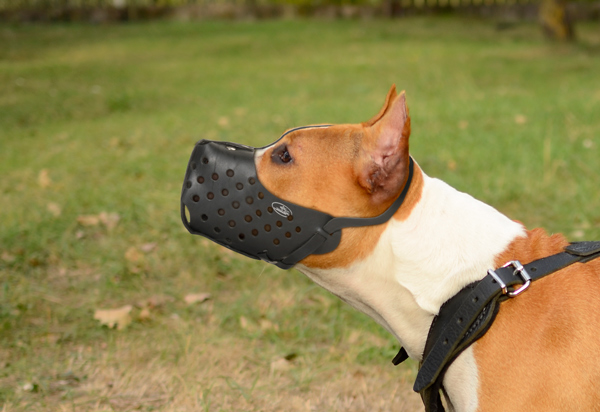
{"x": 227, "y": 204}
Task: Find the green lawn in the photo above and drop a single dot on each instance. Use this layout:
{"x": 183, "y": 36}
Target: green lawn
{"x": 96, "y": 126}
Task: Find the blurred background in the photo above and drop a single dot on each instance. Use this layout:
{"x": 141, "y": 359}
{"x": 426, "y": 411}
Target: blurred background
{"x": 108, "y": 304}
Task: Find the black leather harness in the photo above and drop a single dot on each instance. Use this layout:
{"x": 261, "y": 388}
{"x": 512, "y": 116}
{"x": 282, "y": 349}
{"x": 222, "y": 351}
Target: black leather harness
{"x": 468, "y": 315}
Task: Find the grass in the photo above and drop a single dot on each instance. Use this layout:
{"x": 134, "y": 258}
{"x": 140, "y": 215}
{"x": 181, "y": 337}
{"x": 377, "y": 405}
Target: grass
{"x": 102, "y": 119}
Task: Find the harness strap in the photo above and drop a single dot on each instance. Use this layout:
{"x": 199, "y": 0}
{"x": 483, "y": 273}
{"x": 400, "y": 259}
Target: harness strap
{"x": 467, "y": 316}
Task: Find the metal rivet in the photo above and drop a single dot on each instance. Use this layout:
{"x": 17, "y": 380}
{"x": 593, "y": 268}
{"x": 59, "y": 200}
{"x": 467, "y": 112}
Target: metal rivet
{"x": 215, "y": 176}
{"x": 230, "y": 173}
{"x": 249, "y": 200}
{"x": 221, "y": 212}
{"x": 268, "y": 228}
{"x": 196, "y": 198}
{"x": 239, "y": 186}
{"x": 276, "y": 241}
{"x": 210, "y": 195}
{"x": 224, "y": 192}
{"x": 248, "y": 218}
{"x": 231, "y": 223}
{"x": 252, "y": 180}
{"x": 279, "y": 224}
{"x": 200, "y": 179}
{"x": 235, "y": 204}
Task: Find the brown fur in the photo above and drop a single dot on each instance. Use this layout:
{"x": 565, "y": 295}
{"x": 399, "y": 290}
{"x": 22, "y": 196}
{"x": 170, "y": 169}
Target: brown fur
{"x": 552, "y": 327}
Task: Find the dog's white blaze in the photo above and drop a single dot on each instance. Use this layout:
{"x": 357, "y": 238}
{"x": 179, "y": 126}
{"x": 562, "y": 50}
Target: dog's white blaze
{"x": 449, "y": 240}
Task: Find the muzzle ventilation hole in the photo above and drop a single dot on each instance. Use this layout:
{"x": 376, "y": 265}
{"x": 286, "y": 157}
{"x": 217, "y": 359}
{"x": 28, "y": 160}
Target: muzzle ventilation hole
{"x": 187, "y": 214}
{"x": 236, "y": 205}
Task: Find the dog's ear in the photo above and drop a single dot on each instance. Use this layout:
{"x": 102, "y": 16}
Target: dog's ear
{"x": 388, "y": 101}
{"x": 384, "y": 166}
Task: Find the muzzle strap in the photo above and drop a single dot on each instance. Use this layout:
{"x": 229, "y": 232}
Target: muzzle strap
{"x": 339, "y": 223}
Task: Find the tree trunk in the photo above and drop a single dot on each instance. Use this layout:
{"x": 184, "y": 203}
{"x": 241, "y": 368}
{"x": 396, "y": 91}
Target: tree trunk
{"x": 555, "y": 20}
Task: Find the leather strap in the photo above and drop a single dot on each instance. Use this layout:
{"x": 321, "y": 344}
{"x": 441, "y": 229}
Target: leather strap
{"x": 466, "y": 317}
{"x": 339, "y": 223}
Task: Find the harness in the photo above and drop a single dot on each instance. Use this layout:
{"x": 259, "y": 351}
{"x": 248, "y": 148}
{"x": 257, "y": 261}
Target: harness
{"x": 468, "y": 315}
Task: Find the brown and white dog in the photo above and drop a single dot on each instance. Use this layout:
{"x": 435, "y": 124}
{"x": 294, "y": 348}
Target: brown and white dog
{"x": 542, "y": 352}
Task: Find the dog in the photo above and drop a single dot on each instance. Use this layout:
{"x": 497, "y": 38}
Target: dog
{"x": 542, "y": 351}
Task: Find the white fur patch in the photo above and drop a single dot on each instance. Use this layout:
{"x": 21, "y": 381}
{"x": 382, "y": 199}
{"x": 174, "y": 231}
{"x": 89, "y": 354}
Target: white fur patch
{"x": 462, "y": 382}
{"x": 449, "y": 241}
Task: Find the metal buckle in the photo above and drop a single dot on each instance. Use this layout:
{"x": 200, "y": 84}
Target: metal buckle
{"x": 520, "y": 270}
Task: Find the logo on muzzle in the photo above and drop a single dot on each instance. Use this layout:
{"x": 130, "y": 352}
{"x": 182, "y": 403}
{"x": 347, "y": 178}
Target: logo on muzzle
{"x": 281, "y": 209}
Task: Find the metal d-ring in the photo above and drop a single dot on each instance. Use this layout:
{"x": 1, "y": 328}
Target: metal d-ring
{"x": 519, "y": 270}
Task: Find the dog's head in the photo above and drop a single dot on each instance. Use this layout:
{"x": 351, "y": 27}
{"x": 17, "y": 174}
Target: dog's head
{"x": 242, "y": 197}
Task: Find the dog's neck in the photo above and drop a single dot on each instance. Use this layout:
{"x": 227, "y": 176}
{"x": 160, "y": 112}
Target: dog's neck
{"x": 448, "y": 241}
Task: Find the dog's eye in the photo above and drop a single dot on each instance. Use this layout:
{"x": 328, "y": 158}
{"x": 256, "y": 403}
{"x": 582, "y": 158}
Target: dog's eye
{"x": 281, "y": 155}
